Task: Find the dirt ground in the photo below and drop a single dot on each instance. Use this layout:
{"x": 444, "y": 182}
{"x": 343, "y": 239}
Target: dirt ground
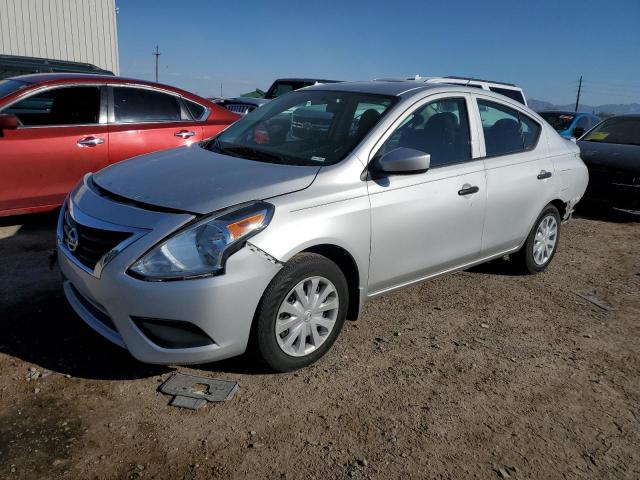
{"x": 480, "y": 374}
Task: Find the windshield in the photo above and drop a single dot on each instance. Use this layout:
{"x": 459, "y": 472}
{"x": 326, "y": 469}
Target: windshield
{"x": 559, "y": 121}
{"x": 9, "y": 86}
{"x": 620, "y": 130}
{"x": 280, "y": 88}
{"x": 303, "y": 128}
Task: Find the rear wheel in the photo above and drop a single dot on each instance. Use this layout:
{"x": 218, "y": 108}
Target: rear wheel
{"x": 301, "y": 313}
{"x": 542, "y": 242}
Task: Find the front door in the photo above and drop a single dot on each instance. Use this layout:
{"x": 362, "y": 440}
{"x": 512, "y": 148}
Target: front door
{"x": 62, "y": 136}
{"x": 145, "y": 120}
{"x": 426, "y": 223}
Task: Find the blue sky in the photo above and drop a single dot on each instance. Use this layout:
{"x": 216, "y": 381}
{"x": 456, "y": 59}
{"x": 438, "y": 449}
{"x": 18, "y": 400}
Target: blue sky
{"x": 541, "y": 45}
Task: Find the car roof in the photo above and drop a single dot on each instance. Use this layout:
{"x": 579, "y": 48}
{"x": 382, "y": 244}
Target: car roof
{"x": 377, "y": 87}
{"x": 450, "y": 79}
{"x": 310, "y": 80}
{"x": 626, "y": 115}
{"x": 473, "y": 79}
{"x": 24, "y": 62}
{"x": 63, "y": 78}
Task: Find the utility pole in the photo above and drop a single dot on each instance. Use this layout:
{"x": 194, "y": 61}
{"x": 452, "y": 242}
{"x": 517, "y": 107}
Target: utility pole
{"x": 579, "y": 89}
{"x": 220, "y": 90}
{"x": 157, "y": 55}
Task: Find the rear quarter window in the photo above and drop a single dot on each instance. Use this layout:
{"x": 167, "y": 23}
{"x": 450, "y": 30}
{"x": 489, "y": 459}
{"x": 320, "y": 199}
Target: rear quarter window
{"x": 195, "y": 109}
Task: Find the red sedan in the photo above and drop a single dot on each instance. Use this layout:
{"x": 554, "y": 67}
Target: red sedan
{"x": 54, "y": 128}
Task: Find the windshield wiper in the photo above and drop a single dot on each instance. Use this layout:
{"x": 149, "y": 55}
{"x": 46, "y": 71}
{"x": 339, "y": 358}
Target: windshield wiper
{"x": 252, "y": 154}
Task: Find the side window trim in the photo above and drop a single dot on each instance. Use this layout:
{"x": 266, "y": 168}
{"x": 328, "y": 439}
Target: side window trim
{"x": 515, "y": 107}
{"x": 102, "y": 113}
{"x": 184, "y": 111}
{"x": 421, "y": 103}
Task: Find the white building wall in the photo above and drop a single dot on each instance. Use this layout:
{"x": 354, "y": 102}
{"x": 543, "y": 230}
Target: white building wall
{"x": 77, "y": 30}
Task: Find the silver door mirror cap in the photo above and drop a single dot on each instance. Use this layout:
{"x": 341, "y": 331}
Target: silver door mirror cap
{"x": 404, "y": 160}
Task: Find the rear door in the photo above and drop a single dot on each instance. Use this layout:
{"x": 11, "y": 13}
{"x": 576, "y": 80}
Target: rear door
{"x": 519, "y": 174}
{"x": 63, "y": 135}
{"x": 144, "y": 120}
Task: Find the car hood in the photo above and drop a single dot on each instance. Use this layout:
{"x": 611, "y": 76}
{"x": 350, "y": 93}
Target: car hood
{"x": 247, "y": 101}
{"x": 610, "y": 155}
{"x": 196, "y": 180}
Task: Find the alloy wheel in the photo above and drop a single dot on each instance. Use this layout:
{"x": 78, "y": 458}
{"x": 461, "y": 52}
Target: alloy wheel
{"x": 545, "y": 239}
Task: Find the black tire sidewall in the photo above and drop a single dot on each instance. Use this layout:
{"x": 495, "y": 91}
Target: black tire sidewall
{"x": 297, "y": 269}
{"x": 530, "y": 263}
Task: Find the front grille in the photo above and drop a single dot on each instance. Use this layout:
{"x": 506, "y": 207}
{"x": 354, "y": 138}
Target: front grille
{"x": 239, "y": 108}
{"x": 88, "y": 244}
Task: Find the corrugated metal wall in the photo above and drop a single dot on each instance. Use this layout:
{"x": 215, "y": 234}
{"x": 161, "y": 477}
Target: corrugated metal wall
{"x": 77, "y": 30}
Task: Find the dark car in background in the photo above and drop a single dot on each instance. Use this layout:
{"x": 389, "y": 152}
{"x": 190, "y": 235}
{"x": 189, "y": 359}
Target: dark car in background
{"x": 570, "y": 124}
{"x": 14, "y": 65}
{"x": 611, "y": 152}
{"x": 244, "y": 105}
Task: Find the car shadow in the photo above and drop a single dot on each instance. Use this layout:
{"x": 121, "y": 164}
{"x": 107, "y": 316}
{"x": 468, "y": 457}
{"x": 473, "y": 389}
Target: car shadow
{"x": 499, "y": 266}
{"x": 604, "y": 213}
{"x": 38, "y": 326}
{"x": 244, "y": 364}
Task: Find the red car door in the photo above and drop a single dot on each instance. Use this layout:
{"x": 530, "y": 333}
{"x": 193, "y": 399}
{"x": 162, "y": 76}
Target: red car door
{"x": 144, "y": 120}
{"x": 61, "y": 136}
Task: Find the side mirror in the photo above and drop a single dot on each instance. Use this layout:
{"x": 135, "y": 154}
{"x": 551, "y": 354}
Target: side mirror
{"x": 578, "y": 132}
{"x": 8, "y": 121}
{"x": 404, "y": 161}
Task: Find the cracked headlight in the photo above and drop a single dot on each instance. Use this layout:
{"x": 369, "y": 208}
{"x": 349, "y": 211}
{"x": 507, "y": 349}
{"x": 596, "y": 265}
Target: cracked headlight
{"x": 201, "y": 249}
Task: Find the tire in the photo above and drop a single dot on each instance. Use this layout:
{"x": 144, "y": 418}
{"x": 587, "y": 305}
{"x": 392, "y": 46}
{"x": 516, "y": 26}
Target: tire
{"x": 318, "y": 329}
{"x": 531, "y": 262}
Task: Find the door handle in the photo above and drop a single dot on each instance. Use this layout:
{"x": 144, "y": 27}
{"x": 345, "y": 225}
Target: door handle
{"x": 544, "y": 174}
{"x": 90, "y": 141}
{"x": 468, "y": 189}
{"x": 184, "y": 134}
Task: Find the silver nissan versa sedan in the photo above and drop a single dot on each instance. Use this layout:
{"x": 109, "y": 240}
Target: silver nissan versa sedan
{"x": 267, "y": 237}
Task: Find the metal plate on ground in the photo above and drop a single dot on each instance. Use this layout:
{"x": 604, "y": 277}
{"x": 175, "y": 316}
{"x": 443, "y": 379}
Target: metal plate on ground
{"x": 188, "y": 402}
{"x": 191, "y": 391}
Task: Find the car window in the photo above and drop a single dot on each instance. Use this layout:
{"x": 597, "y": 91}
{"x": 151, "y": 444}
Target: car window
{"x": 618, "y": 130}
{"x": 304, "y": 127}
{"x": 281, "y": 87}
{"x": 60, "y": 106}
{"x": 583, "y": 122}
{"x": 195, "y": 109}
{"x": 507, "y": 92}
{"x": 7, "y": 87}
{"x": 559, "y": 121}
{"x": 440, "y": 128}
{"x": 143, "y": 105}
{"x": 506, "y": 130}
{"x": 530, "y": 131}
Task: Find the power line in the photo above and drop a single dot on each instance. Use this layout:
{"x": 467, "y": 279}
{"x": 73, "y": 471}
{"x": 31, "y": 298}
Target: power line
{"x": 578, "y": 97}
{"x": 157, "y": 55}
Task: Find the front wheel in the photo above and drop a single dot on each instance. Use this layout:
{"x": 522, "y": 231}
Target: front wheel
{"x": 301, "y": 313}
{"x": 542, "y": 242}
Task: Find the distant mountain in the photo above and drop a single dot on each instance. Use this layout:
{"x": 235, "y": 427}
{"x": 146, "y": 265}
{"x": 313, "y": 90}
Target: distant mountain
{"x": 616, "y": 109}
